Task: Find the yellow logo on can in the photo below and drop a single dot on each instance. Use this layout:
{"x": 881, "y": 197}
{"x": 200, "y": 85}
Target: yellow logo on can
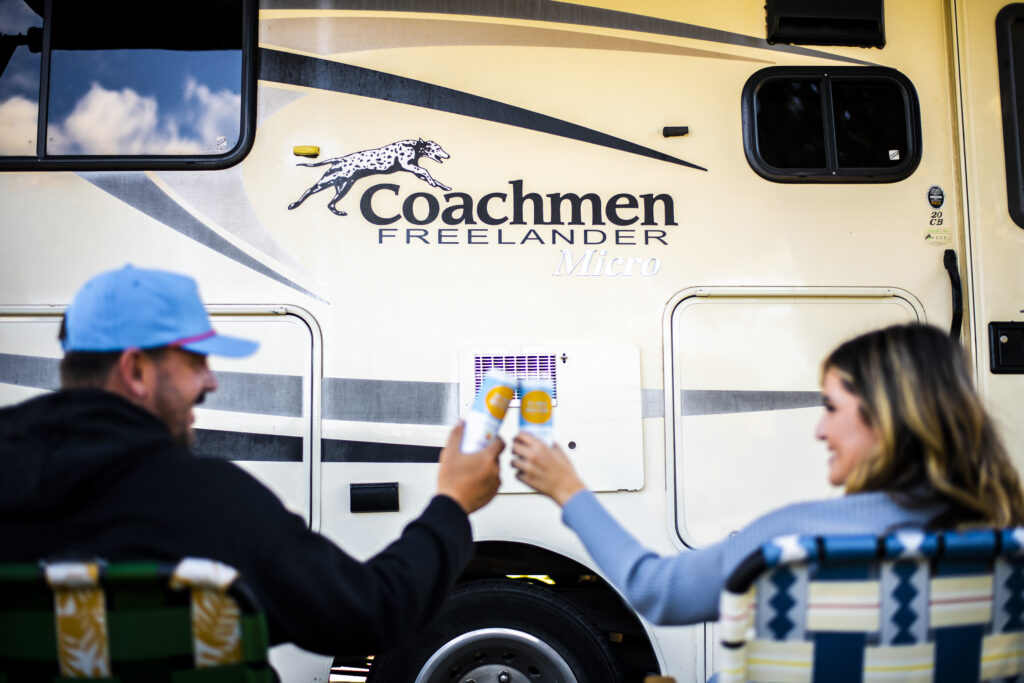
{"x": 536, "y": 407}
{"x": 498, "y": 399}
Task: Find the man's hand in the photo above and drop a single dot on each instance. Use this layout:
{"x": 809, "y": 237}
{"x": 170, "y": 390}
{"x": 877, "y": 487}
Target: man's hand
{"x": 471, "y": 479}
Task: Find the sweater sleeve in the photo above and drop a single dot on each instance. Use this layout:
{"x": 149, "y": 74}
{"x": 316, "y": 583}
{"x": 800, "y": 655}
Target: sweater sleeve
{"x": 684, "y": 588}
{"x": 679, "y": 589}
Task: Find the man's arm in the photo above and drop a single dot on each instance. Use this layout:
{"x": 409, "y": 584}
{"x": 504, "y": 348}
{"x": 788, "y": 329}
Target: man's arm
{"x": 323, "y": 600}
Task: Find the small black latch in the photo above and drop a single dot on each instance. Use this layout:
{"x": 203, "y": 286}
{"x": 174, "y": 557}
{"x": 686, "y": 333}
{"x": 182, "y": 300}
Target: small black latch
{"x": 379, "y": 497}
{"x": 1006, "y": 347}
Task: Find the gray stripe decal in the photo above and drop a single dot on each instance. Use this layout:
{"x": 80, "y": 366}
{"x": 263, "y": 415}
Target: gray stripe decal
{"x": 561, "y": 13}
{"x": 712, "y": 402}
{"x": 240, "y": 392}
{"x": 30, "y": 371}
{"x": 247, "y": 392}
{"x": 390, "y": 402}
{"x": 139, "y": 191}
{"x": 653, "y": 403}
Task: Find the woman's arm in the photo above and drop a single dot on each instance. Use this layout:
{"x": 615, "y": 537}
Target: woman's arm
{"x": 679, "y": 589}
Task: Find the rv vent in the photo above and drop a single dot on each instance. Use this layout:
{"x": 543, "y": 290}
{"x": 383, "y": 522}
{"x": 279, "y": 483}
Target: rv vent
{"x": 860, "y": 23}
{"x": 523, "y": 367}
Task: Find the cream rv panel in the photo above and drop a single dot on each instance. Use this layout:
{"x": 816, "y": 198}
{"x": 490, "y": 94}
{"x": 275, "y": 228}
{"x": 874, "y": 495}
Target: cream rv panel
{"x": 744, "y": 397}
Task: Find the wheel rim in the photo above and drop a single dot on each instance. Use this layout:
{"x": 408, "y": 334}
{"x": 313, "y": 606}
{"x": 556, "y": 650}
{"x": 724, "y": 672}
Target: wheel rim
{"x": 496, "y": 655}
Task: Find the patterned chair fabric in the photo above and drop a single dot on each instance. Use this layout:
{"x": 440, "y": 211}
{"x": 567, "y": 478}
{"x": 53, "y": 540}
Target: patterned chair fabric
{"x": 910, "y": 606}
{"x": 193, "y": 622}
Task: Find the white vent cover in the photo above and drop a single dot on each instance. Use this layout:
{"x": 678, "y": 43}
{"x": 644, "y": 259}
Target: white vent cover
{"x": 535, "y": 366}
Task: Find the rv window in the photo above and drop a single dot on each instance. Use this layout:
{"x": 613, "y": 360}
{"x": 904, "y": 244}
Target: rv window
{"x": 849, "y": 124}
{"x": 119, "y": 84}
{"x": 1010, "y": 48}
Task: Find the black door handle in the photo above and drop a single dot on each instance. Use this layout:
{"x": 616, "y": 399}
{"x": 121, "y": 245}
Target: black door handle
{"x": 949, "y": 260}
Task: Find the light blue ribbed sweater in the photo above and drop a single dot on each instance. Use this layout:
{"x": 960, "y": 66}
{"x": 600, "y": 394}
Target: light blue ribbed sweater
{"x": 684, "y": 588}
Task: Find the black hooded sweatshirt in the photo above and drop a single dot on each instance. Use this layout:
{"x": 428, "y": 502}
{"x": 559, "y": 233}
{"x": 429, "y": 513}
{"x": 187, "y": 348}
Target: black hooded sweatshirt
{"x": 84, "y": 473}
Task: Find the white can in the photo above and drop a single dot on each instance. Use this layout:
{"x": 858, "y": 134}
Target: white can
{"x": 536, "y": 413}
{"x": 488, "y": 410}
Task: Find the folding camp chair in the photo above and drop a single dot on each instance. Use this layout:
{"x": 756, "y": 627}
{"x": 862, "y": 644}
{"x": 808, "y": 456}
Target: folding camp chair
{"x": 193, "y": 622}
{"x": 910, "y": 606}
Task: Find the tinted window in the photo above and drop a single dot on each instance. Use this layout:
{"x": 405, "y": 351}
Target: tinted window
{"x": 846, "y": 124}
{"x": 871, "y": 127}
{"x": 789, "y": 124}
{"x": 126, "y": 79}
{"x": 1010, "y": 46}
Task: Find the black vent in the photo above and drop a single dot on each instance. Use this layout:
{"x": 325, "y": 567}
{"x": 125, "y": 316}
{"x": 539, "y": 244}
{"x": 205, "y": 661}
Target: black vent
{"x": 859, "y": 23}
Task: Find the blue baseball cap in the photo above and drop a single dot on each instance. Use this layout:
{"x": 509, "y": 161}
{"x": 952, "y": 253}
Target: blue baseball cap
{"x": 137, "y": 308}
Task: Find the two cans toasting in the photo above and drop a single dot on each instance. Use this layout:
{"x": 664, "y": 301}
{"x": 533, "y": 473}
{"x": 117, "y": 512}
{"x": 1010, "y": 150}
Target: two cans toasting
{"x": 491, "y": 403}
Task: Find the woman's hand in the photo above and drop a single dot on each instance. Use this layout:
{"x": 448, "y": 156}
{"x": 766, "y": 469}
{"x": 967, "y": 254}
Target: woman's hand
{"x": 544, "y": 468}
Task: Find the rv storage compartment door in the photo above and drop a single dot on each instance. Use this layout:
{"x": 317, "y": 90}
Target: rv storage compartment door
{"x": 259, "y": 417}
{"x": 742, "y": 387}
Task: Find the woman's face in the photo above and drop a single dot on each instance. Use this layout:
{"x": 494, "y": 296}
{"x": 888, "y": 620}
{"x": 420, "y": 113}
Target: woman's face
{"x": 848, "y": 437}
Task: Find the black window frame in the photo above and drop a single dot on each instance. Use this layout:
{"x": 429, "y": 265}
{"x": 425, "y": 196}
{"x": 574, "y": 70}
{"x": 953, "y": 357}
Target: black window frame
{"x": 148, "y": 162}
{"x": 832, "y": 173}
{"x": 1011, "y": 98}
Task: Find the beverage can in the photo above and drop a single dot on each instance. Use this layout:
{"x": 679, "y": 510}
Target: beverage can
{"x": 488, "y": 410}
{"x": 536, "y": 409}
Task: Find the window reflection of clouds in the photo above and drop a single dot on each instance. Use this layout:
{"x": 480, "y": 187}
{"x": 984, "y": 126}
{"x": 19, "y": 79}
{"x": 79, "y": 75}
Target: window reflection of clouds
{"x": 144, "y": 102}
{"x": 19, "y": 83}
{"x": 119, "y": 102}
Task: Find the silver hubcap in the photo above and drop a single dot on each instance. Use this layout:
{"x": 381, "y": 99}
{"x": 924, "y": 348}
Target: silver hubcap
{"x": 496, "y": 655}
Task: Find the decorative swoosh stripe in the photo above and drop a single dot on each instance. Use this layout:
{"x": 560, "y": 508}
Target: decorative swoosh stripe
{"x": 311, "y": 72}
{"x": 556, "y": 12}
{"x": 139, "y": 191}
{"x": 341, "y": 33}
{"x": 711, "y": 402}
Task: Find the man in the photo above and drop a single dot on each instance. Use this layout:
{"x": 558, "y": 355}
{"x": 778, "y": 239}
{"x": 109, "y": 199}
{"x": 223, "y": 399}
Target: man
{"x": 102, "y": 469}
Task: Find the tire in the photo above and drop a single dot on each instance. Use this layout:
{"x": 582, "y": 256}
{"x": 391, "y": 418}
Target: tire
{"x": 502, "y": 631}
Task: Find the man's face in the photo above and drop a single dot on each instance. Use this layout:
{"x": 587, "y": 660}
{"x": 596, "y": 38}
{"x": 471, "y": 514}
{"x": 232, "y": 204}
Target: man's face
{"x": 182, "y": 380}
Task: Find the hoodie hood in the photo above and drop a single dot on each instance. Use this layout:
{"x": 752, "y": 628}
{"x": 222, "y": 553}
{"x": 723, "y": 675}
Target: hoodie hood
{"x": 61, "y": 448}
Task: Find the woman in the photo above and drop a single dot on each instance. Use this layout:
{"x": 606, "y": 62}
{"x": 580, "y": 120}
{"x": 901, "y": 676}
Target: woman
{"x": 908, "y": 439}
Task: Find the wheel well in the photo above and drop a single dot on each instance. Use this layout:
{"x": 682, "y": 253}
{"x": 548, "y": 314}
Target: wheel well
{"x": 577, "y": 584}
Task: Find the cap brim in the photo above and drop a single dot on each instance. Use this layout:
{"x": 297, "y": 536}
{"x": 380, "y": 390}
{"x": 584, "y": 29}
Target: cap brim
{"x": 222, "y": 345}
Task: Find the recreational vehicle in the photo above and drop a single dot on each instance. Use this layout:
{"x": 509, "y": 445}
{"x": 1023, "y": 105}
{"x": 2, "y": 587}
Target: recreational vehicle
{"x": 671, "y": 210}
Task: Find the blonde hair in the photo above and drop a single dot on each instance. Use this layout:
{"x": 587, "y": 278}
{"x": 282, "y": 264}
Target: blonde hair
{"x": 938, "y": 444}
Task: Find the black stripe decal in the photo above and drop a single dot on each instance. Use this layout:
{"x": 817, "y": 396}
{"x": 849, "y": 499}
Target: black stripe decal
{"x": 244, "y": 446}
{"x": 285, "y": 67}
{"x": 561, "y": 13}
{"x": 139, "y": 191}
{"x": 365, "y": 451}
{"x": 390, "y": 402}
{"x": 712, "y": 402}
{"x": 30, "y": 371}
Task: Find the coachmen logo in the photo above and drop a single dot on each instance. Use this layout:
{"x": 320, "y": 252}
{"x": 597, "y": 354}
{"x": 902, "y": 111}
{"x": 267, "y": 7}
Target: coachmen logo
{"x": 621, "y": 220}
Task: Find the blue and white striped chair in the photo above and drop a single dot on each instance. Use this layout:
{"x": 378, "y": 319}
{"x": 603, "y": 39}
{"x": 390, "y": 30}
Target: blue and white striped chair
{"x": 910, "y": 606}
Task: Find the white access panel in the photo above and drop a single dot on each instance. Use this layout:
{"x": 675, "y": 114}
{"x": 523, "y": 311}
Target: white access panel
{"x": 598, "y": 412}
{"x": 744, "y": 372}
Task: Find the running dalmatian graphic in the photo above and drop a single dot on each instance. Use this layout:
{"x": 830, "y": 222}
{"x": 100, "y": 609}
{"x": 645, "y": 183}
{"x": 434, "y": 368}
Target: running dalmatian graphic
{"x": 344, "y": 171}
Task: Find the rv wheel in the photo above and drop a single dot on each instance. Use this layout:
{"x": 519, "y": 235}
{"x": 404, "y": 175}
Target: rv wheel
{"x": 502, "y": 632}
